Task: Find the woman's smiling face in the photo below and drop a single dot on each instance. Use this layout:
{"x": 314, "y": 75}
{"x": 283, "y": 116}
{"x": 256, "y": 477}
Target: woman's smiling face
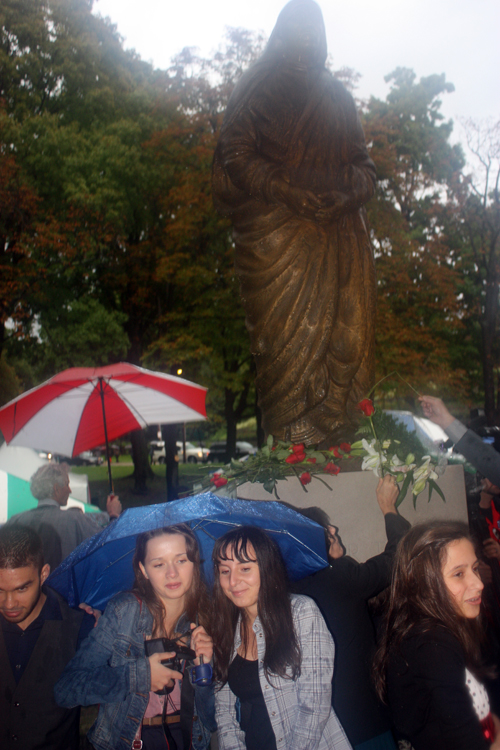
{"x": 240, "y": 581}
{"x": 461, "y": 576}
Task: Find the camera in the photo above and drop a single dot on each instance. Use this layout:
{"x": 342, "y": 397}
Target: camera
{"x": 201, "y": 675}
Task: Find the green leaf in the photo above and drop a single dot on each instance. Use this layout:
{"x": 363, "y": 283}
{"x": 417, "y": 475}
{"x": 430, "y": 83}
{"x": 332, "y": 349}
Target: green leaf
{"x": 281, "y": 455}
{"x": 270, "y": 441}
{"x": 269, "y": 485}
{"x": 266, "y": 451}
{"x": 404, "y": 489}
{"x": 358, "y": 445}
{"x": 434, "y": 486}
{"x": 320, "y": 459}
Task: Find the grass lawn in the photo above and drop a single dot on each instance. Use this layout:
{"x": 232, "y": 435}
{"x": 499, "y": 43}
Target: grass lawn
{"x": 123, "y": 481}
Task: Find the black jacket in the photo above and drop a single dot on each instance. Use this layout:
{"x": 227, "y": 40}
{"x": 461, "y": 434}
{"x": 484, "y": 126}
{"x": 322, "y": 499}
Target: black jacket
{"x": 341, "y": 591}
{"x": 30, "y": 719}
{"x": 429, "y": 701}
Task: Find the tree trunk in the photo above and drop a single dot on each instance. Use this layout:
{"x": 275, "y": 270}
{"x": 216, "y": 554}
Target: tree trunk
{"x": 488, "y": 332}
{"x": 140, "y": 457}
{"x": 231, "y": 424}
{"x": 261, "y": 437}
{"x": 233, "y": 414}
{"x": 169, "y": 433}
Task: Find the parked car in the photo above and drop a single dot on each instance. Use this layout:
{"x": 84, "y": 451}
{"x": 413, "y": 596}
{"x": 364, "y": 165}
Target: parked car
{"x": 218, "y": 451}
{"x": 87, "y": 458}
{"x": 193, "y": 454}
{"x": 433, "y": 438}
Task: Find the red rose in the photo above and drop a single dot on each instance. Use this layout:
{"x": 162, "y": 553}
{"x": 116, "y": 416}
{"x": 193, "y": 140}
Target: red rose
{"x": 332, "y": 468}
{"x": 311, "y": 460}
{"x": 346, "y": 447}
{"x": 300, "y": 448}
{"x": 220, "y": 482}
{"x": 366, "y": 407}
{"x": 335, "y": 450}
{"x": 305, "y": 478}
{"x": 295, "y": 458}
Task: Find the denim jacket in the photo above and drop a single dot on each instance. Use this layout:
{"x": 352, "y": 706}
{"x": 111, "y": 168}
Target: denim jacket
{"x": 111, "y": 668}
{"x": 300, "y": 710}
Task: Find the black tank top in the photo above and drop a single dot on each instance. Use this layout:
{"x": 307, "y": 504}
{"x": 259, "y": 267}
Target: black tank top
{"x": 243, "y": 679}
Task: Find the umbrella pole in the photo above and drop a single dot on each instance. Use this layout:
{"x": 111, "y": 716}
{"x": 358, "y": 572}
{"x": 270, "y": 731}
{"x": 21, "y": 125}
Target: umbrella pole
{"x": 101, "y": 391}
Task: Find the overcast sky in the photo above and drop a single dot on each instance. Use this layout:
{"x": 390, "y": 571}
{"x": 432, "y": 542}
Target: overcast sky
{"x": 457, "y": 37}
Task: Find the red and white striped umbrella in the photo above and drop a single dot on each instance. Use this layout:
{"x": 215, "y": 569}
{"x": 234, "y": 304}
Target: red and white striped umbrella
{"x": 84, "y": 407}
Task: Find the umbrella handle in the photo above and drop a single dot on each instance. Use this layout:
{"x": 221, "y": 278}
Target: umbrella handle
{"x": 110, "y": 478}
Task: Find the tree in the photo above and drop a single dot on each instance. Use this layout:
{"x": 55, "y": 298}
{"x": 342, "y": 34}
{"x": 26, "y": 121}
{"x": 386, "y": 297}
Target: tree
{"x": 476, "y": 199}
{"x": 420, "y": 319}
{"x": 78, "y": 112}
{"x": 203, "y": 325}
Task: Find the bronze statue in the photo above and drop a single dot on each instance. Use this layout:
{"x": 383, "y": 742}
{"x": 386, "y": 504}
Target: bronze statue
{"x": 291, "y": 170}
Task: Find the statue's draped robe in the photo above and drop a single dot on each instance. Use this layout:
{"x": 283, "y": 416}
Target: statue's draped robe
{"x": 308, "y": 287}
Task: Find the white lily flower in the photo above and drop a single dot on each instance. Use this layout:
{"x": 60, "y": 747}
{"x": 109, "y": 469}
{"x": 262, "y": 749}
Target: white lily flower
{"x": 368, "y": 446}
{"x": 374, "y": 459}
{"x": 419, "y": 486}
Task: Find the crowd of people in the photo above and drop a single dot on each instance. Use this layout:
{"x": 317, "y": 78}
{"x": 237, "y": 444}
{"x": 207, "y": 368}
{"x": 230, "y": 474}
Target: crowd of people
{"x": 303, "y": 668}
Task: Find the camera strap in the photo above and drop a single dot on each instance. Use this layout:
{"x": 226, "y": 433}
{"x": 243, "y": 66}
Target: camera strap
{"x": 187, "y": 709}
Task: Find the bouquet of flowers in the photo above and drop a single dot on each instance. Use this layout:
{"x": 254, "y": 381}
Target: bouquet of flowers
{"x": 386, "y": 447}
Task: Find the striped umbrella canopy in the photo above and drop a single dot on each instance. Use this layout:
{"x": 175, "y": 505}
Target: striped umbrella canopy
{"x": 84, "y": 407}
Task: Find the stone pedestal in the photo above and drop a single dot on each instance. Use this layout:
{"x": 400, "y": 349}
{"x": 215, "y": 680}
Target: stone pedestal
{"x": 353, "y": 507}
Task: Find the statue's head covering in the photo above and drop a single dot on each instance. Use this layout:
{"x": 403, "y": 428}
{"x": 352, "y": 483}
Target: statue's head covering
{"x": 298, "y": 41}
{"x": 299, "y": 30}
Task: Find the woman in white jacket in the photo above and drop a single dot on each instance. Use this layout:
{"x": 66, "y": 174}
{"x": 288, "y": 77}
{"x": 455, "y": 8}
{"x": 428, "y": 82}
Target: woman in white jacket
{"x": 273, "y": 653}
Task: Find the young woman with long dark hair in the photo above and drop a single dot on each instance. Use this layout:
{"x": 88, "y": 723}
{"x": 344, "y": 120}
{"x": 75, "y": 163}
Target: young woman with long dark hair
{"x": 428, "y": 666}
{"x": 112, "y": 667}
{"x": 273, "y": 654}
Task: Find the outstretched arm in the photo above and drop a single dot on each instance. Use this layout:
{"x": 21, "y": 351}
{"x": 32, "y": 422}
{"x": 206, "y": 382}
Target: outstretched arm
{"x": 435, "y": 410}
{"x": 483, "y": 457}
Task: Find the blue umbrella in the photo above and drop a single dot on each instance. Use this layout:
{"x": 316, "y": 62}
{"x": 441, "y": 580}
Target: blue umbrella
{"x": 102, "y": 565}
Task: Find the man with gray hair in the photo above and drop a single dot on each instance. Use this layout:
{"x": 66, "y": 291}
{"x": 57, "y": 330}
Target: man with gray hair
{"x": 61, "y": 531}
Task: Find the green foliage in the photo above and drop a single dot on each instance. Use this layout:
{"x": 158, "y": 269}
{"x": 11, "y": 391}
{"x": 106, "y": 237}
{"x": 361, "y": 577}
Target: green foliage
{"x": 83, "y": 334}
{"x": 9, "y": 383}
{"x": 420, "y": 319}
{"x": 388, "y": 428}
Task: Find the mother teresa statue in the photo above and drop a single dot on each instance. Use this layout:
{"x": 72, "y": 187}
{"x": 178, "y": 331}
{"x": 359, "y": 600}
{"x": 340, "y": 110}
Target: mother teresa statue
{"x": 291, "y": 170}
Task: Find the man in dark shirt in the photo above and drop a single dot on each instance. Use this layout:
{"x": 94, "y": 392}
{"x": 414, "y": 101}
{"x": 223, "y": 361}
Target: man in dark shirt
{"x": 39, "y": 634}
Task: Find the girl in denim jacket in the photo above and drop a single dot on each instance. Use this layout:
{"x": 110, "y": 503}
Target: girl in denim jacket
{"x": 111, "y": 667}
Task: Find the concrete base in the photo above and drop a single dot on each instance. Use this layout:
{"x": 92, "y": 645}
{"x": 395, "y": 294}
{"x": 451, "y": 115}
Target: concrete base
{"x": 352, "y": 505}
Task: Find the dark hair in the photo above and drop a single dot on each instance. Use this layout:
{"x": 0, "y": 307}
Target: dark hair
{"x": 20, "y": 546}
{"x": 196, "y": 599}
{"x": 419, "y": 598}
{"x": 318, "y": 515}
{"x": 273, "y": 606}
